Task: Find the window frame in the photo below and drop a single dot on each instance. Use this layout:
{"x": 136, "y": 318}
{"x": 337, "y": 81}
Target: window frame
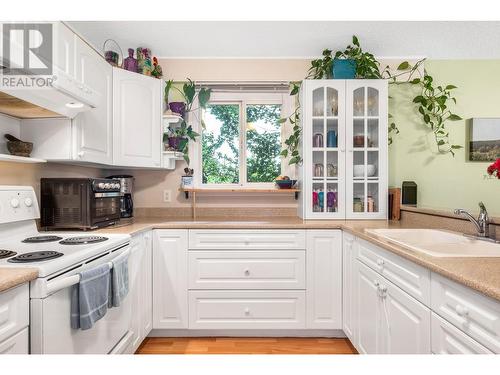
{"x": 242, "y": 99}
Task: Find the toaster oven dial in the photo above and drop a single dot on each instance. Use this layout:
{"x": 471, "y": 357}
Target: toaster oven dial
{"x": 100, "y": 185}
{"x": 107, "y": 185}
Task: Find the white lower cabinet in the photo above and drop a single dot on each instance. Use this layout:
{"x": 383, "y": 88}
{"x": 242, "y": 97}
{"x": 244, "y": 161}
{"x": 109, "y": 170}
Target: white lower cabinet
{"x": 14, "y": 320}
{"x": 447, "y": 339}
{"x": 140, "y": 288}
{"x": 245, "y": 309}
{"x": 170, "y": 276}
{"x": 349, "y": 313}
{"x": 324, "y": 279}
{"x": 390, "y": 320}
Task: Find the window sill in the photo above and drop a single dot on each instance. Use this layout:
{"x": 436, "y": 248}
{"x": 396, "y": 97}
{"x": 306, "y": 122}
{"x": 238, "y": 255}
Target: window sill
{"x": 245, "y": 190}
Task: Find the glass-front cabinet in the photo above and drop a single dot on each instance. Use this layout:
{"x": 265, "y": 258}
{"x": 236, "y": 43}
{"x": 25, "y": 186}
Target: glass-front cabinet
{"x": 344, "y": 147}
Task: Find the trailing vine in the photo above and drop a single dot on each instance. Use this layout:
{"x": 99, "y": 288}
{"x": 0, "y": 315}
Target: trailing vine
{"x": 432, "y": 102}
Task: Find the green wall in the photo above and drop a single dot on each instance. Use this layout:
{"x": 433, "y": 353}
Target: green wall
{"x": 446, "y": 182}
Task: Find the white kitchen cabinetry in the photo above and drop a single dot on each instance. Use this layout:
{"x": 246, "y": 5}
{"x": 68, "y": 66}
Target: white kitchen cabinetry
{"x": 447, "y": 339}
{"x": 170, "y": 279}
{"x": 93, "y": 129}
{"x": 324, "y": 279}
{"x": 349, "y": 318}
{"x": 64, "y": 49}
{"x": 14, "y": 320}
{"x": 140, "y": 292}
{"x": 344, "y": 173}
{"x": 137, "y": 120}
{"x": 390, "y": 320}
{"x": 471, "y": 312}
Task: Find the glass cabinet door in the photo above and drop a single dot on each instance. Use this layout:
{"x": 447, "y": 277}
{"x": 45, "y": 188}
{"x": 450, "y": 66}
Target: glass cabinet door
{"x": 366, "y": 122}
{"x": 324, "y": 149}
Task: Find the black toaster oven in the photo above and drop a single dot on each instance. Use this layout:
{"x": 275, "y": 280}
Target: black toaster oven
{"x": 79, "y": 203}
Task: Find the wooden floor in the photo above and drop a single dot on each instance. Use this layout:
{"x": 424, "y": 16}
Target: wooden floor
{"x": 244, "y": 345}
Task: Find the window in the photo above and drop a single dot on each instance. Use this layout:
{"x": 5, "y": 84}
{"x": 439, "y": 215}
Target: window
{"x": 241, "y": 140}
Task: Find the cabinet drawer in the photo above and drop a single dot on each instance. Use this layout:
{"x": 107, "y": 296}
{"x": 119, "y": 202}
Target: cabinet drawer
{"x": 447, "y": 339}
{"x": 473, "y": 313}
{"x": 244, "y": 309}
{"x": 17, "y": 344}
{"x": 412, "y": 278}
{"x": 272, "y": 239}
{"x": 14, "y": 311}
{"x": 254, "y": 269}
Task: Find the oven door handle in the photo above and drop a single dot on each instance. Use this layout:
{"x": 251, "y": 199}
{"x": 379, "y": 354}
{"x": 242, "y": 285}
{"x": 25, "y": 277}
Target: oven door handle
{"x": 57, "y": 285}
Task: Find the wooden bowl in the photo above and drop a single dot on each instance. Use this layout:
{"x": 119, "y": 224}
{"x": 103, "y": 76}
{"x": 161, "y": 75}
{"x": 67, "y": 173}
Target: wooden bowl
{"x": 20, "y": 148}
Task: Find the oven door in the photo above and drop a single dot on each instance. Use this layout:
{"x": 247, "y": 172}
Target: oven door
{"x": 105, "y": 208}
{"x": 50, "y": 328}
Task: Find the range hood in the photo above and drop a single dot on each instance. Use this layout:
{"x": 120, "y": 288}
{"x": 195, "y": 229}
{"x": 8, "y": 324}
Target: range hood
{"x": 65, "y": 97}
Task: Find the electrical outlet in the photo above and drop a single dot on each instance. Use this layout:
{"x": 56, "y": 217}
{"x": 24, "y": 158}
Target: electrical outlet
{"x": 167, "y": 195}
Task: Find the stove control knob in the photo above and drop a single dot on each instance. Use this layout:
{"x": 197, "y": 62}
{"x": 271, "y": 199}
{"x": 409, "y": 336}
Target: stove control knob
{"x": 14, "y": 203}
{"x": 107, "y": 185}
{"x": 28, "y": 202}
{"x": 100, "y": 185}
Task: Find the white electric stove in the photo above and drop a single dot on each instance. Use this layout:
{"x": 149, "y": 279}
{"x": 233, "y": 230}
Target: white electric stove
{"x": 59, "y": 257}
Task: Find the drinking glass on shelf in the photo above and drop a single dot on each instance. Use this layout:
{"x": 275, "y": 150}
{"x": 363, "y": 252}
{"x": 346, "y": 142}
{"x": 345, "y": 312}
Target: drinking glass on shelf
{"x": 318, "y": 140}
{"x": 318, "y": 170}
{"x": 331, "y": 170}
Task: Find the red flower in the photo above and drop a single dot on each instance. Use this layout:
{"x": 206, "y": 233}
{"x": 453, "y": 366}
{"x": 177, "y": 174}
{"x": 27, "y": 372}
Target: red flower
{"x": 494, "y": 169}
{"x": 490, "y": 169}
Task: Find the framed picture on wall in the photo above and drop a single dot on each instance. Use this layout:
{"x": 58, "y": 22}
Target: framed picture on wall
{"x": 484, "y": 136}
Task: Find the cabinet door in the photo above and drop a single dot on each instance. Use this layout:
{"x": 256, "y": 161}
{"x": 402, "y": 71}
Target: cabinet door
{"x": 366, "y": 142}
{"x": 64, "y": 48}
{"x": 137, "y": 119}
{"x": 147, "y": 290}
{"x": 349, "y": 319}
{"x": 406, "y": 322}
{"x": 170, "y": 273}
{"x": 324, "y": 279}
{"x": 323, "y": 122}
{"x": 368, "y": 310}
{"x": 93, "y": 128}
{"x": 447, "y": 339}
{"x": 135, "y": 292}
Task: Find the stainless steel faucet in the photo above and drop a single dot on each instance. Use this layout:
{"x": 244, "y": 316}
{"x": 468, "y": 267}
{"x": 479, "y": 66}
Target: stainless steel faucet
{"x": 482, "y": 223}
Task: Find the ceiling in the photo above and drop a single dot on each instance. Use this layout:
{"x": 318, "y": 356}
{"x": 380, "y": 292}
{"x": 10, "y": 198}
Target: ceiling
{"x": 297, "y": 39}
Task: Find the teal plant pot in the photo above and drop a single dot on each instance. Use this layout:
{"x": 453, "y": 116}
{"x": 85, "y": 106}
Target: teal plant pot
{"x": 344, "y": 69}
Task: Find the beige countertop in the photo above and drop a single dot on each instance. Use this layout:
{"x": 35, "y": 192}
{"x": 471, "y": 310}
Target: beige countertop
{"x": 481, "y": 274}
{"x": 11, "y": 277}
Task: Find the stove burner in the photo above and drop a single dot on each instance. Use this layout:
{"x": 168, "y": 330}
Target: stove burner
{"x": 6, "y": 254}
{"x": 35, "y": 257}
{"x": 82, "y": 240}
{"x": 39, "y": 239}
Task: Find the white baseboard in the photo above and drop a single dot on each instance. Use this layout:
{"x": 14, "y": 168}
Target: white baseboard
{"x": 334, "y": 333}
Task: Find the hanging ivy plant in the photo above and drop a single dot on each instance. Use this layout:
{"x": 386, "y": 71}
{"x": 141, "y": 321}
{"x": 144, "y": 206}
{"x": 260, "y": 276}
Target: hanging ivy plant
{"x": 433, "y": 101}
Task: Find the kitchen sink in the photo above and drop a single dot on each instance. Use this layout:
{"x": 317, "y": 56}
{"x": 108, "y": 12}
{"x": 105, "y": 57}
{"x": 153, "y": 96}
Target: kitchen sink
{"x": 438, "y": 243}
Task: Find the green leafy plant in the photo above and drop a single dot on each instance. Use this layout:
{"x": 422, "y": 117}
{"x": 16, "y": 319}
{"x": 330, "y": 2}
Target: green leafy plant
{"x": 433, "y": 101}
{"x": 190, "y": 95}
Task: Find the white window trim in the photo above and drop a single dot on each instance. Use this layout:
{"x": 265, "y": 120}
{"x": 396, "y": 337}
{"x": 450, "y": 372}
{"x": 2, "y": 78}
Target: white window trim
{"x": 242, "y": 98}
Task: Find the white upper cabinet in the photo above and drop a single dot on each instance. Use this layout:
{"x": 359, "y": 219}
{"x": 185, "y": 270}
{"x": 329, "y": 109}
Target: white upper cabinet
{"x": 64, "y": 48}
{"x": 323, "y": 120}
{"x": 93, "y": 130}
{"x": 366, "y": 143}
{"x": 137, "y": 118}
{"x": 344, "y": 146}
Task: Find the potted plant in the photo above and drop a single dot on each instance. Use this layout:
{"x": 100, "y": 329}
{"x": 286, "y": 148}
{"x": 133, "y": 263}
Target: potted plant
{"x": 178, "y": 136}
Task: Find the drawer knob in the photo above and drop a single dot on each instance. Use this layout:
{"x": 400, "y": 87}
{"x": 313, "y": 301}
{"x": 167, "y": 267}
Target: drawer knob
{"x": 247, "y": 272}
{"x": 462, "y": 311}
{"x": 247, "y": 311}
{"x": 380, "y": 262}
{"x": 376, "y": 283}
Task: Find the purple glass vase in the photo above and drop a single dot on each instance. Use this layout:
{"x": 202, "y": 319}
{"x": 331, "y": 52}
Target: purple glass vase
{"x": 130, "y": 63}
